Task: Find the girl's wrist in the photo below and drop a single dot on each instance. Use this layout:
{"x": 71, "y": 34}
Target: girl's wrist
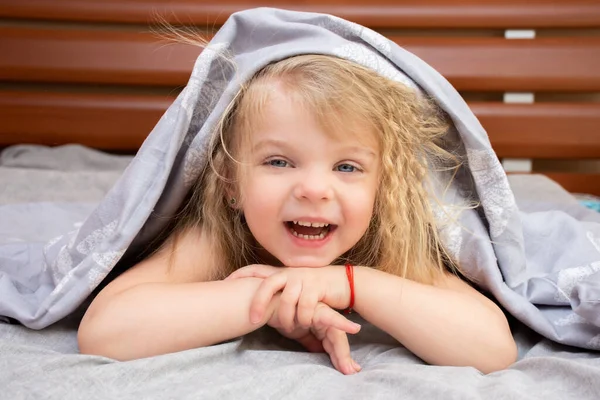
{"x": 340, "y": 297}
{"x": 362, "y": 277}
{"x": 350, "y": 276}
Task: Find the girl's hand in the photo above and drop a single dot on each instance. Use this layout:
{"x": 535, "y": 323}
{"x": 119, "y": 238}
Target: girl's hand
{"x": 335, "y": 343}
{"x": 302, "y": 289}
{"x": 322, "y": 337}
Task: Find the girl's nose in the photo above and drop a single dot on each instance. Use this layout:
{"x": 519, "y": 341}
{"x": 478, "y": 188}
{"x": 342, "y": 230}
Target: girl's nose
{"x": 314, "y": 186}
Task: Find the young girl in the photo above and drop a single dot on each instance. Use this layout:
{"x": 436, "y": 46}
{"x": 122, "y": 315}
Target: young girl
{"x": 315, "y": 200}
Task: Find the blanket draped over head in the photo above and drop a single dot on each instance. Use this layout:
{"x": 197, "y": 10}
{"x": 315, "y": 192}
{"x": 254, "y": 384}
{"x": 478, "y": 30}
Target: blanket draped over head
{"x": 542, "y": 267}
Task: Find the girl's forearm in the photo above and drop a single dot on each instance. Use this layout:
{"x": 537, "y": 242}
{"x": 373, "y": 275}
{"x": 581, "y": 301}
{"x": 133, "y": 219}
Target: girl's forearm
{"x": 158, "y": 318}
{"x": 441, "y": 326}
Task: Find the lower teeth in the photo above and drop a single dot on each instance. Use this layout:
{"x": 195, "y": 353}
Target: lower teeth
{"x": 309, "y": 237}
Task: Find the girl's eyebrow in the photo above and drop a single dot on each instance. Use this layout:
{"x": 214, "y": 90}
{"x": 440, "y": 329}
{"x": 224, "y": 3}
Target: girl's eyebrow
{"x": 270, "y": 142}
{"x": 284, "y": 145}
{"x": 365, "y": 150}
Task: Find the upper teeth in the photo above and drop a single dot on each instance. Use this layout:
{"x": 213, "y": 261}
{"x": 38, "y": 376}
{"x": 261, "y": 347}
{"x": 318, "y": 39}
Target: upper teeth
{"x": 313, "y": 224}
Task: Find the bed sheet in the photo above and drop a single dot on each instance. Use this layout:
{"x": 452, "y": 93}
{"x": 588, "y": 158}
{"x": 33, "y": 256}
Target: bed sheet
{"x": 67, "y": 182}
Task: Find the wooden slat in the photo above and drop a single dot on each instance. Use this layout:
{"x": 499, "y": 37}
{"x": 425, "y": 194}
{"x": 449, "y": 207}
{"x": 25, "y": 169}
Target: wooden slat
{"x": 542, "y": 130}
{"x": 102, "y": 121}
{"x": 111, "y": 121}
{"x": 577, "y": 182}
{"x": 496, "y": 64}
{"x": 119, "y": 57}
{"x": 91, "y": 56}
{"x": 377, "y": 13}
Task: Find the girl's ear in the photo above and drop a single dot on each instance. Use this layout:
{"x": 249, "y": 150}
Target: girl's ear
{"x": 233, "y": 202}
{"x": 232, "y": 198}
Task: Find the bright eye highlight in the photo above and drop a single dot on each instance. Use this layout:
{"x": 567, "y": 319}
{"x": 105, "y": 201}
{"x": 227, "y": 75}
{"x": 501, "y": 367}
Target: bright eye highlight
{"x": 277, "y": 162}
{"x": 347, "y": 168}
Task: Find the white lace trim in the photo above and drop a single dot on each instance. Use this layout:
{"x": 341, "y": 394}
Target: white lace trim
{"x": 494, "y": 191}
{"x": 105, "y": 263}
{"x": 87, "y": 245}
{"x": 571, "y": 319}
{"x": 568, "y": 278}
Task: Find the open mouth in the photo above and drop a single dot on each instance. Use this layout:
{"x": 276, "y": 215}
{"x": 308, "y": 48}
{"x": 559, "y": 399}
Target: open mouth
{"x": 310, "y": 230}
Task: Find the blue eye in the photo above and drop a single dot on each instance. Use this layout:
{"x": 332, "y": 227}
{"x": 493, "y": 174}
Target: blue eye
{"x": 278, "y": 162}
{"x": 346, "y": 168}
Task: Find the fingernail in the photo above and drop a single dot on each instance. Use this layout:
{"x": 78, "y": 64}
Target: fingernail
{"x": 357, "y": 326}
{"x": 254, "y": 318}
{"x": 356, "y": 366}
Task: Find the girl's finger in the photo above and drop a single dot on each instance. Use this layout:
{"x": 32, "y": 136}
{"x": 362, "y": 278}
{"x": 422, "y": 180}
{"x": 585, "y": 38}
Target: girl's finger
{"x": 306, "y": 306}
{"x": 288, "y": 302}
{"x": 253, "y": 271}
{"x": 264, "y": 294}
{"x": 325, "y": 316}
{"x": 328, "y": 346}
{"x": 337, "y": 346}
{"x": 341, "y": 350}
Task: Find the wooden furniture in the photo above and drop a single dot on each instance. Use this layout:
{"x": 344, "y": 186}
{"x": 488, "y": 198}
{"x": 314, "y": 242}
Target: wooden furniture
{"x": 94, "y": 72}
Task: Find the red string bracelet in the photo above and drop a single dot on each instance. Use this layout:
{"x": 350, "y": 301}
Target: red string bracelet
{"x": 350, "y": 275}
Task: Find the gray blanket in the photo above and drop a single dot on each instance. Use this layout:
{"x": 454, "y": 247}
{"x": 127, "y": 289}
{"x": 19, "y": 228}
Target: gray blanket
{"x": 542, "y": 266}
{"x": 45, "y": 363}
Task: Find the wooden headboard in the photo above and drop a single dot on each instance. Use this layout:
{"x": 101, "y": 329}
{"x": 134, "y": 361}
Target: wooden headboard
{"x": 93, "y": 72}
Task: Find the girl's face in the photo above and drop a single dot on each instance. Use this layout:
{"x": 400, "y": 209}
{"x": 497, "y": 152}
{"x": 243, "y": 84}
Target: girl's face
{"x": 308, "y": 194}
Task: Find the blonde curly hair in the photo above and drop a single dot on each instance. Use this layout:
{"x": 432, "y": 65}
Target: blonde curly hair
{"x": 402, "y": 238}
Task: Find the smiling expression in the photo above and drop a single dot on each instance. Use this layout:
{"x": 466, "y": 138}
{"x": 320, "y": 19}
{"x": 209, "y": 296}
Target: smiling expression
{"x": 308, "y": 194}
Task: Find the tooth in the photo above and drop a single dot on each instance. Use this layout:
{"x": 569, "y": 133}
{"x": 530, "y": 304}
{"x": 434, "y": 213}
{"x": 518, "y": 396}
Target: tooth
{"x": 321, "y": 235}
{"x": 294, "y": 233}
{"x": 295, "y": 222}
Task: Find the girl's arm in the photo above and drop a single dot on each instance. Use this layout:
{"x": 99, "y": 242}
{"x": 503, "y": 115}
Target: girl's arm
{"x": 157, "y": 318}
{"x": 154, "y": 309}
{"x": 449, "y": 323}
